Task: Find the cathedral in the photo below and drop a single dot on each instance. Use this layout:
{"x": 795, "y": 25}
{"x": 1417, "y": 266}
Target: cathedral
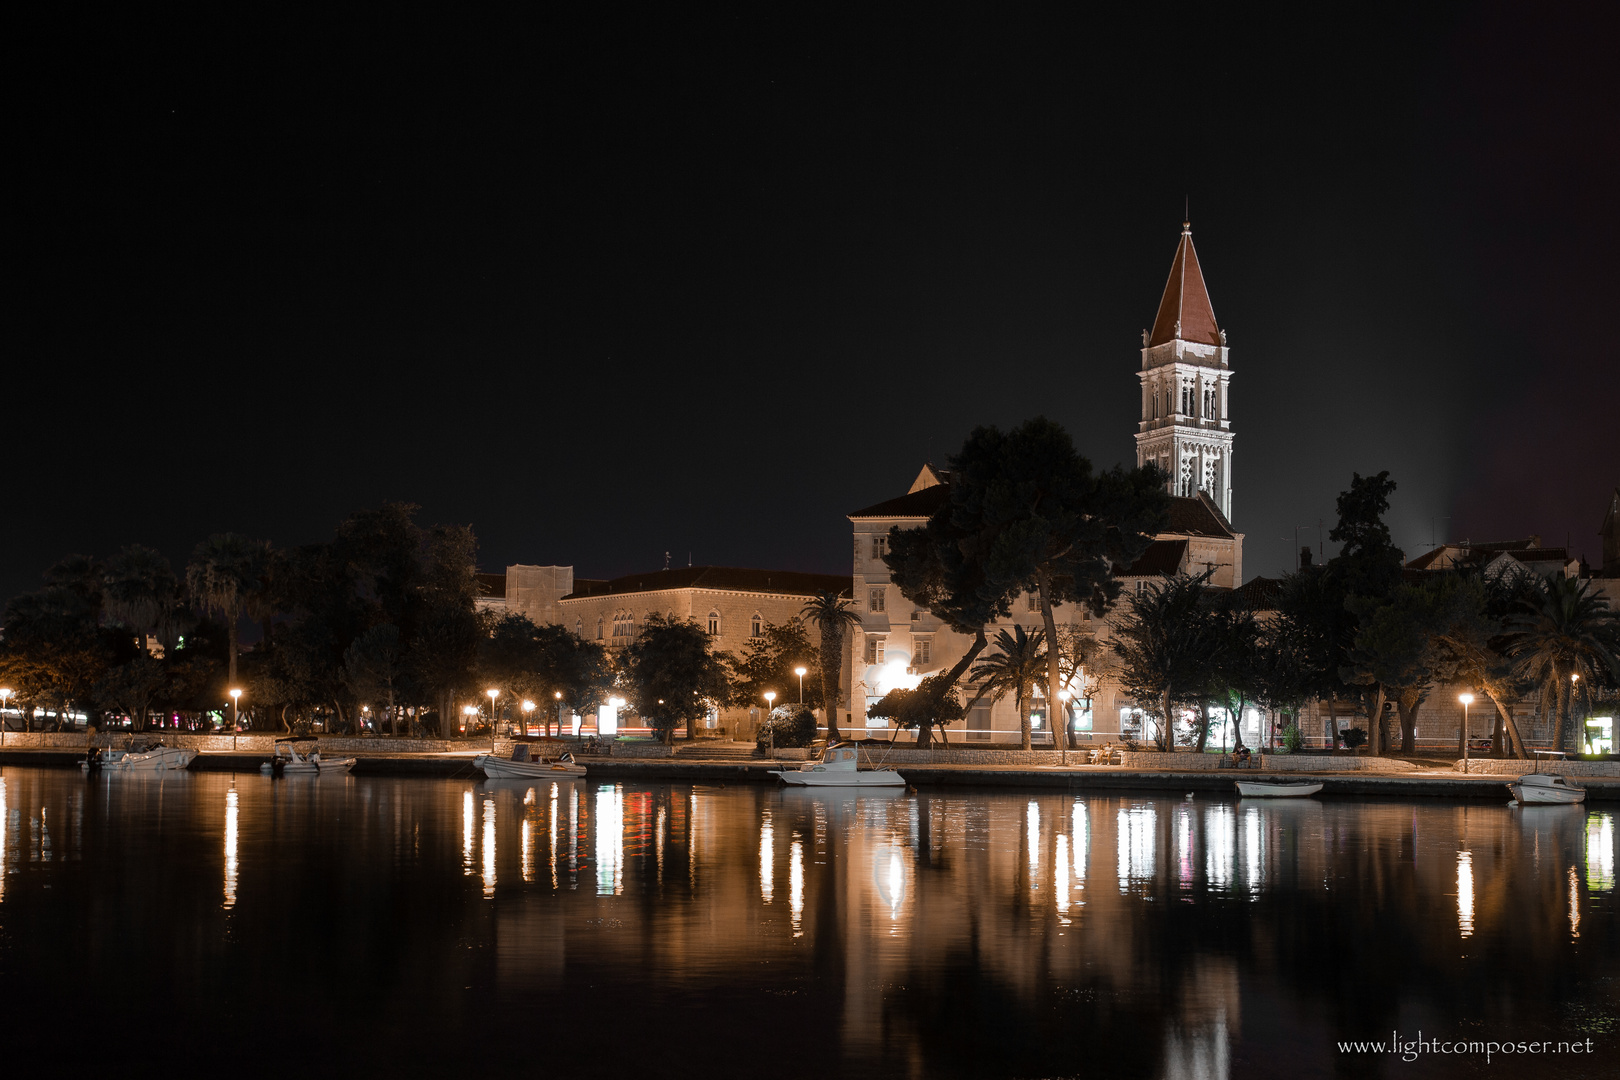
{"x": 1185, "y": 430}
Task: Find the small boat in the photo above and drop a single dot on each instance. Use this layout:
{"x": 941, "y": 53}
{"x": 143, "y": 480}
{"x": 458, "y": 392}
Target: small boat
{"x": 142, "y": 755}
{"x": 1546, "y": 788}
{"x": 527, "y": 764}
{"x": 839, "y": 766}
{"x": 1263, "y": 789}
{"x": 288, "y": 760}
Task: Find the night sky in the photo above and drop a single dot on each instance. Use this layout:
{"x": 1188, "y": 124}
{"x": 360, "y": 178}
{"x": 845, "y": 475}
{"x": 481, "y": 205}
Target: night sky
{"x": 642, "y": 279}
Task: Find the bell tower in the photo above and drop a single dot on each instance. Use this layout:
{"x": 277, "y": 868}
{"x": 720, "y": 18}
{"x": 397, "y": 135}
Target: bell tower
{"x": 1186, "y": 427}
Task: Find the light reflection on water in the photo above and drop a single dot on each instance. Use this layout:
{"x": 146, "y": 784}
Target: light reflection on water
{"x": 899, "y": 908}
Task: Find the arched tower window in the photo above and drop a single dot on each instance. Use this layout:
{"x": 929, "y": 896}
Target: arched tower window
{"x": 756, "y": 626}
{"x": 714, "y": 624}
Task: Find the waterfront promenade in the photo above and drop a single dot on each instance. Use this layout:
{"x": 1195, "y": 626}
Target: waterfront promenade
{"x": 1340, "y": 775}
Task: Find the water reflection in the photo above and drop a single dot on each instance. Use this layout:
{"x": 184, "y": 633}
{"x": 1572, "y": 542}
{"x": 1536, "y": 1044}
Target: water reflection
{"x": 1600, "y": 852}
{"x": 609, "y": 839}
{"x": 231, "y": 810}
{"x": 925, "y": 934}
{"x": 1465, "y": 893}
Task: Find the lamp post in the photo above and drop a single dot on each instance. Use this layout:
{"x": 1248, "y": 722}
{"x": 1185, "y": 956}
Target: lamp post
{"x": 236, "y": 715}
{"x": 1574, "y": 681}
{"x": 528, "y": 707}
{"x": 1467, "y": 700}
{"x": 493, "y": 694}
{"x": 467, "y": 715}
{"x": 770, "y": 729}
{"x": 800, "y": 672}
{"x": 5, "y": 696}
{"x": 558, "y": 696}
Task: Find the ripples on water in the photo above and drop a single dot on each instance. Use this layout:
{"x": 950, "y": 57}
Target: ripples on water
{"x": 603, "y": 929}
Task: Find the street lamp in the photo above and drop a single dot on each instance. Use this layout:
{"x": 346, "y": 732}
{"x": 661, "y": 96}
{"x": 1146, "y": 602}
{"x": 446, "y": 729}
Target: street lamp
{"x": 493, "y": 694}
{"x": 528, "y": 707}
{"x": 1467, "y": 700}
{"x": 5, "y": 696}
{"x": 799, "y": 671}
{"x": 770, "y": 699}
{"x": 236, "y": 715}
{"x": 466, "y": 717}
{"x": 558, "y": 695}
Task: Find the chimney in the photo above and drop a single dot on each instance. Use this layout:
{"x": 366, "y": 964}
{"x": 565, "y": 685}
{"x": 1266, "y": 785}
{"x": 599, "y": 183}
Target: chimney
{"x": 1305, "y": 558}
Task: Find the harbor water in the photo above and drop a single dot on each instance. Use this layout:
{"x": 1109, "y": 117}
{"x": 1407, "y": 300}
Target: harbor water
{"x": 342, "y": 925}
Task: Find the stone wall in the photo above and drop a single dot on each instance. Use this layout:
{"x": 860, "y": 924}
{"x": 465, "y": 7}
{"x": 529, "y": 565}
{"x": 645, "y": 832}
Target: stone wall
{"x": 1152, "y": 759}
{"x": 1514, "y": 767}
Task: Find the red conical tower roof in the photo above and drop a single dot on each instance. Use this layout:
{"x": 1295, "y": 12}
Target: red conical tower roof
{"x": 1186, "y": 300}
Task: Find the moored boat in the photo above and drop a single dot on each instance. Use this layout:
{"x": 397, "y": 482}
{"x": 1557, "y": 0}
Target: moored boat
{"x": 1546, "y": 789}
{"x": 288, "y": 760}
{"x": 142, "y": 755}
{"x": 527, "y": 764}
{"x": 1264, "y": 789}
{"x": 839, "y": 766}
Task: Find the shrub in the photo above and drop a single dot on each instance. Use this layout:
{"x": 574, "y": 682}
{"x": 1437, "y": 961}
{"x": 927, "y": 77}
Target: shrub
{"x": 1293, "y": 739}
{"x": 793, "y": 725}
{"x": 1354, "y": 738}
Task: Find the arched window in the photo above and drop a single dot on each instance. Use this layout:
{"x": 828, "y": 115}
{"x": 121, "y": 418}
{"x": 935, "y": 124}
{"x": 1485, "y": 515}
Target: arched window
{"x": 624, "y": 626}
{"x": 599, "y": 628}
{"x": 714, "y": 624}
{"x": 756, "y": 626}
{"x": 579, "y": 629}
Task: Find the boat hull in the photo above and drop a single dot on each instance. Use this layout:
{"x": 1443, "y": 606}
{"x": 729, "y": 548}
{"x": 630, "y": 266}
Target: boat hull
{"x": 1532, "y": 795}
{"x": 500, "y": 769}
{"x": 876, "y": 778}
{"x": 1259, "y": 789}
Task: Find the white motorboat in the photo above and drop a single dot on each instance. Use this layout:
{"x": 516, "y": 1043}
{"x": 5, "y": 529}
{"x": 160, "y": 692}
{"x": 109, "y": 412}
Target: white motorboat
{"x": 1546, "y": 789}
{"x": 525, "y": 764}
{"x": 289, "y": 761}
{"x": 141, "y": 756}
{"x": 839, "y": 766}
{"x": 1264, "y": 789}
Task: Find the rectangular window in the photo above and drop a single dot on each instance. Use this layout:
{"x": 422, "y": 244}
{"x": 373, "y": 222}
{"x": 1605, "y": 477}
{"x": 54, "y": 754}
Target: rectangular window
{"x": 925, "y": 652}
{"x": 874, "y": 599}
{"x": 880, "y": 546}
{"x": 1034, "y": 601}
{"x": 874, "y": 650}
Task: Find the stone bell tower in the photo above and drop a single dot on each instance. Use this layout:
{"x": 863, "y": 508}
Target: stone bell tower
{"x": 1186, "y": 428}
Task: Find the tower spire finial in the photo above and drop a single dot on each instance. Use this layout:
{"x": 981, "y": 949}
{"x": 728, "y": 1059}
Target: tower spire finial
{"x": 1186, "y": 214}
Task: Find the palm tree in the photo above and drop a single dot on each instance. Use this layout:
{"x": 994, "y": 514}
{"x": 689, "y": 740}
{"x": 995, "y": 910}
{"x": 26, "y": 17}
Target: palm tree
{"x": 138, "y": 590}
{"x": 1016, "y": 666}
{"x": 1562, "y": 629}
{"x": 223, "y": 576}
{"x": 831, "y": 613}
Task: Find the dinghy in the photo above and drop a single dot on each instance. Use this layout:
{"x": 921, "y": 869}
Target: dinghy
{"x": 288, "y": 761}
{"x": 1262, "y": 789}
{"x": 143, "y": 755}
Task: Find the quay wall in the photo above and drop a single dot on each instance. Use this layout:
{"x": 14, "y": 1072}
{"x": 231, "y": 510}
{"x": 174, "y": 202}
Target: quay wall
{"x": 1313, "y": 763}
{"x": 1514, "y": 767}
{"x": 263, "y": 743}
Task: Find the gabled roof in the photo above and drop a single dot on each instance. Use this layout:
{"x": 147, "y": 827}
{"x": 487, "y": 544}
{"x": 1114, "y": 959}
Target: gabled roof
{"x": 919, "y": 503}
{"x": 718, "y": 579}
{"x": 1197, "y": 516}
{"x": 1161, "y": 557}
{"x": 1186, "y": 300}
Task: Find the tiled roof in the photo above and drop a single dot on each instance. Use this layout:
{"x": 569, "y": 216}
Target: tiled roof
{"x": 1197, "y": 516}
{"x": 492, "y": 585}
{"x": 1260, "y": 593}
{"x": 917, "y": 504}
{"x": 1161, "y": 557}
{"x": 717, "y": 578}
{"x": 1186, "y": 301}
